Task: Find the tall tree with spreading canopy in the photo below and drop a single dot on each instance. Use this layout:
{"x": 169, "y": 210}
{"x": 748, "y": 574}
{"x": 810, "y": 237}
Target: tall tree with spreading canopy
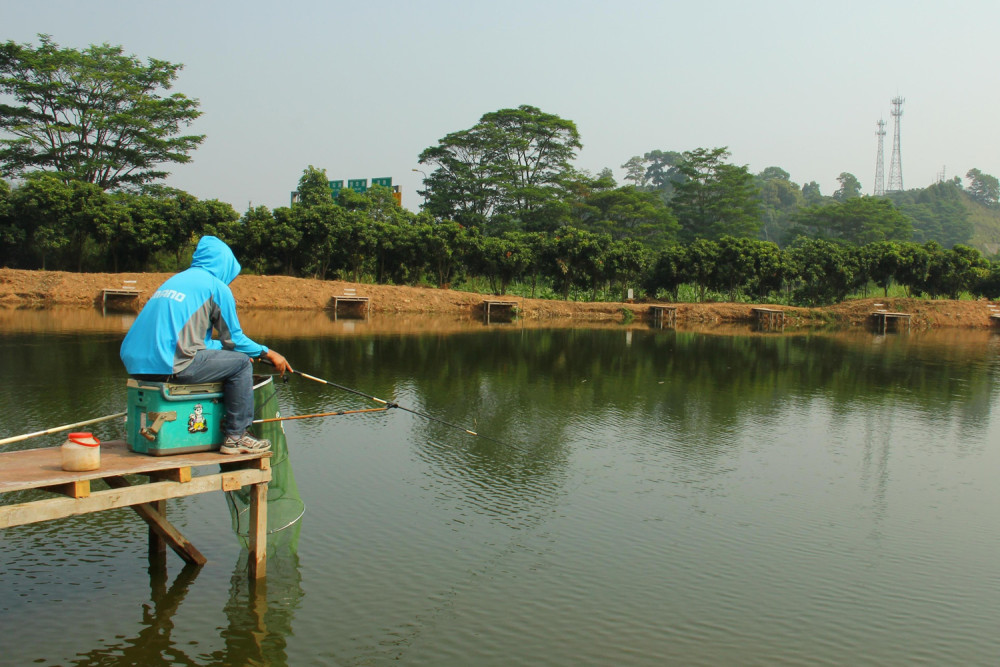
{"x": 513, "y": 162}
{"x": 850, "y": 187}
{"x": 715, "y": 199}
{"x": 663, "y": 173}
{"x": 635, "y": 171}
{"x": 983, "y": 188}
{"x": 96, "y": 115}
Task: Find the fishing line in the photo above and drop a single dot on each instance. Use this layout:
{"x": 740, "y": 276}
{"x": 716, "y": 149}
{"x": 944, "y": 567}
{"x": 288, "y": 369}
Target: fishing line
{"x": 392, "y": 404}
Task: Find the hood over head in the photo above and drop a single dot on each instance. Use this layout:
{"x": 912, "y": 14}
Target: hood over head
{"x": 217, "y": 258}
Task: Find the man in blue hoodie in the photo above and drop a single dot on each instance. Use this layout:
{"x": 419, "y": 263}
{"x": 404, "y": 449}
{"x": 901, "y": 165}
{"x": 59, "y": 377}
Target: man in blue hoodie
{"x": 171, "y": 340}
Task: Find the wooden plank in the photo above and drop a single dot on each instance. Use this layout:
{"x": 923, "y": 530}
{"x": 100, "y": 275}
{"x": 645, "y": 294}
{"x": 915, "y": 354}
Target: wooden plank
{"x": 39, "y": 468}
{"x": 164, "y": 529}
{"x": 258, "y": 532}
{"x": 179, "y": 475}
{"x": 78, "y": 489}
{"x": 231, "y": 482}
{"x": 58, "y": 508}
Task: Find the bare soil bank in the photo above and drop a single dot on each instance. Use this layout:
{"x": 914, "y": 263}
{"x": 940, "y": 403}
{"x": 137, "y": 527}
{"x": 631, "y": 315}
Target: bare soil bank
{"x": 41, "y": 289}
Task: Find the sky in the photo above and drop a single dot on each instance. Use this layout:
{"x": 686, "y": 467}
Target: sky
{"x": 360, "y": 89}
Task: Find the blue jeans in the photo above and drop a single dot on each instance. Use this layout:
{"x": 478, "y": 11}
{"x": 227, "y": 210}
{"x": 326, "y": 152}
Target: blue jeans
{"x": 235, "y": 371}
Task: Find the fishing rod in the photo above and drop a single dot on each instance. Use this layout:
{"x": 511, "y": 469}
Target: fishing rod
{"x": 56, "y": 429}
{"x": 392, "y": 404}
{"x": 319, "y": 414}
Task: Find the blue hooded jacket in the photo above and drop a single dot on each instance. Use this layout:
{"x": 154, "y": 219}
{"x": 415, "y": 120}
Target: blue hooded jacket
{"x": 179, "y": 317}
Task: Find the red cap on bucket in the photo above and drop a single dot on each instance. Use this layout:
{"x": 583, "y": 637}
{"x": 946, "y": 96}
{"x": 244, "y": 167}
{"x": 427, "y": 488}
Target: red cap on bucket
{"x": 86, "y": 439}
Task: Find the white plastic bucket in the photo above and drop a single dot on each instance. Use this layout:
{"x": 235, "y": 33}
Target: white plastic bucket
{"x": 81, "y": 451}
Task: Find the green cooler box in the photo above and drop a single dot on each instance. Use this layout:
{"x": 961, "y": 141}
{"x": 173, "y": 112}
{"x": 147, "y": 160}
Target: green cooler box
{"x": 165, "y": 418}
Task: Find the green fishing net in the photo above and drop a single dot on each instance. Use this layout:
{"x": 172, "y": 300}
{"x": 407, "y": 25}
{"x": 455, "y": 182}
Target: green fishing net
{"x": 284, "y": 504}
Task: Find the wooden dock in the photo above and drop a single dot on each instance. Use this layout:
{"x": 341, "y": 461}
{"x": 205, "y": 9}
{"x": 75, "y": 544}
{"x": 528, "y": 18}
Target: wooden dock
{"x": 350, "y": 296}
{"x": 663, "y": 315}
{"x": 126, "y": 291}
{"x": 883, "y": 318}
{"x": 505, "y": 308}
{"x": 169, "y": 477}
{"x": 771, "y": 318}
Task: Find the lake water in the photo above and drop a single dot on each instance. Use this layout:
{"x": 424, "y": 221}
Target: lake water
{"x": 638, "y": 497}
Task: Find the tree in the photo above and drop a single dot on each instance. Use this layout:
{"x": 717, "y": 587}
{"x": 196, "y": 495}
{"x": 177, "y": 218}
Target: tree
{"x": 11, "y": 236}
{"x": 501, "y": 259}
{"x": 463, "y": 186}
{"x": 850, "y": 187}
{"x": 575, "y": 258}
{"x": 668, "y": 271}
{"x": 513, "y": 162}
{"x": 628, "y": 213}
{"x": 635, "y": 171}
{"x": 715, "y": 199}
{"x": 811, "y": 193}
{"x": 444, "y": 245}
{"x": 954, "y": 271}
{"x": 883, "y": 262}
{"x": 938, "y": 213}
{"x": 314, "y": 188}
{"x": 989, "y": 285}
{"x": 95, "y": 115}
{"x": 701, "y": 257}
{"x": 747, "y": 265}
{"x": 859, "y": 220}
{"x": 262, "y": 241}
{"x": 780, "y": 199}
{"x": 58, "y": 218}
{"x": 983, "y": 188}
{"x": 914, "y": 264}
{"x": 625, "y": 262}
{"x": 663, "y": 172}
{"x": 823, "y": 272}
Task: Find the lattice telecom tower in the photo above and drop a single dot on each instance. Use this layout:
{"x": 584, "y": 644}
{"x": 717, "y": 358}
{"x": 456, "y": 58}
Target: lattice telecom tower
{"x": 880, "y": 161}
{"x": 895, "y": 164}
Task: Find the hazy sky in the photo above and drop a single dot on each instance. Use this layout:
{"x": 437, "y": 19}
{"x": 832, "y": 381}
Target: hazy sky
{"x": 361, "y": 88}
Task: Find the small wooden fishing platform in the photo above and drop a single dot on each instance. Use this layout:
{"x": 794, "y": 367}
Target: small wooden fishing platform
{"x": 505, "y": 308}
{"x": 769, "y": 317}
{"x": 169, "y": 477}
{"x": 663, "y": 315}
{"x": 127, "y": 291}
{"x": 351, "y": 296}
{"x": 883, "y": 317}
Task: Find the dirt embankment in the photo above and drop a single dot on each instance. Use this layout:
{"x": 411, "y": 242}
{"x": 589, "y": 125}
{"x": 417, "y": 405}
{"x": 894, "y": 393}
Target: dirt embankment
{"x": 41, "y": 289}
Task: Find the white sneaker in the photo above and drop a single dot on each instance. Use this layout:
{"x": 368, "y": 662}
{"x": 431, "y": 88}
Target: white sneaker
{"x": 244, "y": 444}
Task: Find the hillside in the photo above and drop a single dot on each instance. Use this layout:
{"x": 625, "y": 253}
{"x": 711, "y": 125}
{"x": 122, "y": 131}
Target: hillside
{"x": 986, "y": 225}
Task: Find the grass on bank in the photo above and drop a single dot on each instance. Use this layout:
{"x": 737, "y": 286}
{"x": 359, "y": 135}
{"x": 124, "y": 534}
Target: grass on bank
{"x": 687, "y": 293}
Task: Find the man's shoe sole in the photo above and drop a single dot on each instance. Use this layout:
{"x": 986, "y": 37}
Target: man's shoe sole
{"x": 225, "y": 449}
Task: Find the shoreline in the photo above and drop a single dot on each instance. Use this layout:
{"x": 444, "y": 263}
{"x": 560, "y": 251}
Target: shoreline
{"x": 21, "y": 289}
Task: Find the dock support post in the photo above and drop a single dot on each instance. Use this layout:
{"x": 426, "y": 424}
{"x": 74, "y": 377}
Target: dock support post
{"x": 258, "y": 531}
{"x": 157, "y": 545}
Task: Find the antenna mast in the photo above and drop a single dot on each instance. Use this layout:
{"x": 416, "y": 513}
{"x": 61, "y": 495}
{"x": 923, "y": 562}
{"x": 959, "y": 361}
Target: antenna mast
{"x": 880, "y": 161}
{"x": 896, "y": 164}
